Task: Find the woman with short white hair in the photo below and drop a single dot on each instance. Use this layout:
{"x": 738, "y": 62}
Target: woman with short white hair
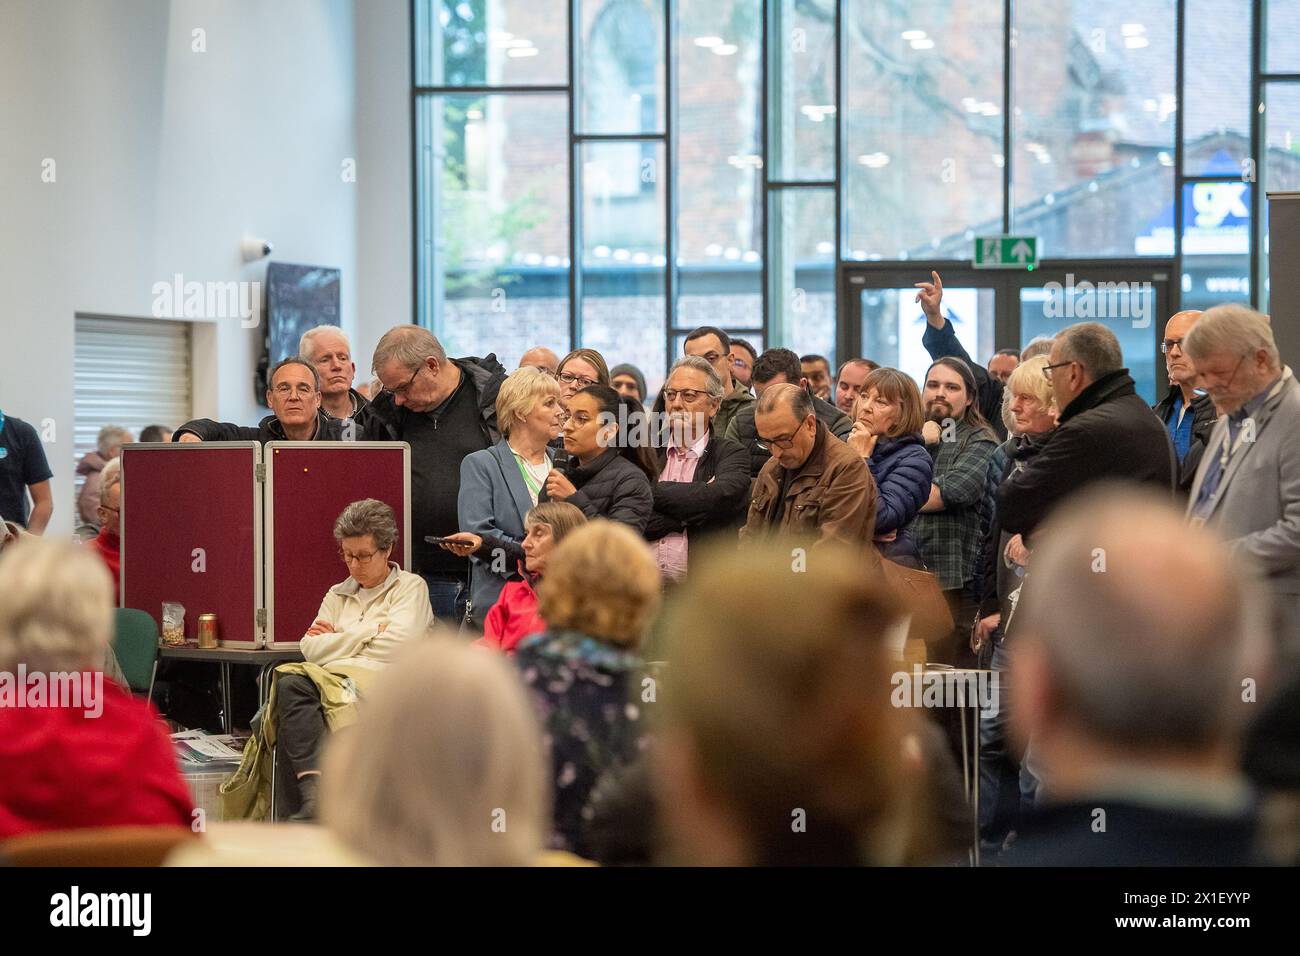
{"x": 80, "y": 751}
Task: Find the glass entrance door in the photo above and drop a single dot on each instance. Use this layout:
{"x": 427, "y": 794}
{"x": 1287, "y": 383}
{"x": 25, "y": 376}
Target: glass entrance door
{"x": 993, "y": 310}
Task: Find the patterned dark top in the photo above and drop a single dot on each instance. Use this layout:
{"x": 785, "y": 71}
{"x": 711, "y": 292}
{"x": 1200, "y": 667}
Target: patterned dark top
{"x": 587, "y": 692}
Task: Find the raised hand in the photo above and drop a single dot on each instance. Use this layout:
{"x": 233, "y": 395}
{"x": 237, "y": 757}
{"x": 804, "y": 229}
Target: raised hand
{"x": 931, "y": 298}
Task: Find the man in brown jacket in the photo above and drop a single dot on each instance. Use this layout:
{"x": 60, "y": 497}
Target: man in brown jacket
{"x": 815, "y": 485}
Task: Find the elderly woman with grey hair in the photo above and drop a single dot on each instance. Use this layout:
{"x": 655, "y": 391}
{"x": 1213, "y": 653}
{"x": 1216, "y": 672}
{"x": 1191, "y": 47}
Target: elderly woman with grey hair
{"x": 361, "y": 624}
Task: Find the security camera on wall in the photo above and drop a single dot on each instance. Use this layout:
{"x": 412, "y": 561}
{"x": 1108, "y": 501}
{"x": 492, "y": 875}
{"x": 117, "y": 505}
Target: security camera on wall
{"x": 255, "y": 249}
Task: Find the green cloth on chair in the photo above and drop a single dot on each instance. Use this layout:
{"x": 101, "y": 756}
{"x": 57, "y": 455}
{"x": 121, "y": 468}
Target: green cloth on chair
{"x": 247, "y": 794}
{"x": 135, "y": 645}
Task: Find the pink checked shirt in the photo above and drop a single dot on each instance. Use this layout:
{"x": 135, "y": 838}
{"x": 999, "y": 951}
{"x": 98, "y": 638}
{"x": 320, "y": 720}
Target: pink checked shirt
{"x": 670, "y": 550}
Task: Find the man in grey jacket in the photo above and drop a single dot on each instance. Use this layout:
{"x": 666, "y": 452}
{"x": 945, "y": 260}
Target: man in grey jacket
{"x": 1248, "y": 483}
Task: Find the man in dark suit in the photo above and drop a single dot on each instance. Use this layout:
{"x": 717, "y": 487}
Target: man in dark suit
{"x": 1129, "y": 690}
{"x": 703, "y": 484}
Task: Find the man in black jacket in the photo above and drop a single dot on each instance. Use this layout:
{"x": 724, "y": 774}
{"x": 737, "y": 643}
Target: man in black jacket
{"x": 780, "y": 367}
{"x": 1104, "y": 430}
{"x": 446, "y": 409}
{"x": 1189, "y": 432}
{"x": 703, "y": 485}
{"x": 293, "y": 396}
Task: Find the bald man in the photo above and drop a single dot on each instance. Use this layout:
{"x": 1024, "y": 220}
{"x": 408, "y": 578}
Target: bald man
{"x": 1128, "y": 691}
{"x": 814, "y": 485}
{"x": 541, "y": 358}
{"x": 1188, "y": 415}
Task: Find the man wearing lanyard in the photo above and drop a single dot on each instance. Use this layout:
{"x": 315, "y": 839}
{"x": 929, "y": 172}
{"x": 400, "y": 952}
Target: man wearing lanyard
{"x": 23, "y": 470}
{"x": 1248, "y": 482}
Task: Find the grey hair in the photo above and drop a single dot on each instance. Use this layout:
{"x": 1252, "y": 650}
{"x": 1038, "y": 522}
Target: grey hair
{"x": 1132, "y": 662}
{"x": 1233, "y": 329}
{"x": 110, "y": 475}
{"x": 367, "y": 517}
{"x": 57, "y": 614}
{"x": 1093, "y": 346}
{"x": 701, "y": 365}
{"x": 109, "y": 436}
{"x": 1041, "y": 345}
{"x": 409, "y": 346}
{"x": 305, "y": 341}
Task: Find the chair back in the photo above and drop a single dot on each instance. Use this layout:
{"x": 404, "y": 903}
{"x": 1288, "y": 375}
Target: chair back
{"x": 135, "y": 643}
{"x": 98, "y": 846}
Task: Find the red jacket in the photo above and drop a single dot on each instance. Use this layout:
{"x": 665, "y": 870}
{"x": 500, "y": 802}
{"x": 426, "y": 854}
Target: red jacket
{"x": 109, "y": 548}
{"x": 513, "y": 617}
{"x": 63, "y": 770}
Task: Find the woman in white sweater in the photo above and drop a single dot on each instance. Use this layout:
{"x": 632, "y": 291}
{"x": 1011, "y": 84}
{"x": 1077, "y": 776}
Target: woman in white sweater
{"x": 360, "y": 625}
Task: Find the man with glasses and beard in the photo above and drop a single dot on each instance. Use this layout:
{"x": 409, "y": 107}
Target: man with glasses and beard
{"x": 961, "y": 443}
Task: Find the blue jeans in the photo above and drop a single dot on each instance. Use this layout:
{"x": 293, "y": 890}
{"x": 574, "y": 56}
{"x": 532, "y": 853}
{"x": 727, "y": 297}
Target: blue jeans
{"x": 448, "y": 596}
{"x": 999, "y": 769}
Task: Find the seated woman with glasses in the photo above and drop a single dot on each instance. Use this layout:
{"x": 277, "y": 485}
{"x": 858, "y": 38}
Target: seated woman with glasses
{"x": 361, "y": 624}
{"x": 610, "y": 469}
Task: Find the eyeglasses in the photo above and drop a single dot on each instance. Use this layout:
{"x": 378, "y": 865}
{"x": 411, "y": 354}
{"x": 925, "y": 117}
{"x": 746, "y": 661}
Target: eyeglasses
{"x": 785, "y": 442}
{"x": 689, "y": 395}
{"x": 284, "y": 389}
{"x": 1047, "y": 369}
{"x": 739, "y": 363}
{"x": 568, "y": 378}
{"x": 402, "y": 389}
{"x": 1167, "y": 344}
{"x": 356, "y": 558}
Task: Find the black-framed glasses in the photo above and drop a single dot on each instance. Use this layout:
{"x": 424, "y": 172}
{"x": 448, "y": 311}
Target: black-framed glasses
{"x": 356, "y": 558}
{"x": 402, "y": 389}
{"x": 1047, "y": 369}
{"x": 1166, "y": 345}
{"x": 568, "y": 378}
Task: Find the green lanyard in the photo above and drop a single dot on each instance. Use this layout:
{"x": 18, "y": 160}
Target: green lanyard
{"x": 529, "y": 480}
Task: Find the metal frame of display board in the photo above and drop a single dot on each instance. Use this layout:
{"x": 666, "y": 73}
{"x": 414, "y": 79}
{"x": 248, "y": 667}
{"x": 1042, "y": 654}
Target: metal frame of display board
{"x": 133, "y": 453}
{"x": 270, "y": 457}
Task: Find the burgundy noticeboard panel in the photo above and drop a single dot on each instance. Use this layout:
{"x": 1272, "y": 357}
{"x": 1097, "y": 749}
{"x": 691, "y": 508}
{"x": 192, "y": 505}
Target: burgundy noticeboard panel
{"x": 191, "y": 516}
{"x": 308, "y": 486}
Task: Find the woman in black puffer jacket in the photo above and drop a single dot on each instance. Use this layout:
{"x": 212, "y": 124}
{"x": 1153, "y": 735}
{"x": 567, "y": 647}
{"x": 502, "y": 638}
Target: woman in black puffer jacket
{"x": 609, "y": 470}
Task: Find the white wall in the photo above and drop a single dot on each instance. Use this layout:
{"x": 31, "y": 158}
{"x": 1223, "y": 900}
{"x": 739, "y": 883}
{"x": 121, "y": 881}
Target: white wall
{"x": 385, "y": 235}
{"x": 165, "y": 157}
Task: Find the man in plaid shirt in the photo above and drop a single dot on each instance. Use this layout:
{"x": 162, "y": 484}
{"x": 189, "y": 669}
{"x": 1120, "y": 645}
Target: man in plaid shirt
{"x": 947, "y": 531}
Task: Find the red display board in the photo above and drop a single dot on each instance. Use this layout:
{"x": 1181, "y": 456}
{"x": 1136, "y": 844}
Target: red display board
{"x": 191, "y": 534}
{"x": 308, "y": 485}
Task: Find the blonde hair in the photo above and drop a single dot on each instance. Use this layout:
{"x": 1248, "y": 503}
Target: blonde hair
{"x": 1028, "y": 379}
{"x": 444, "y": 766}
{"x": 788, "y": 710}
{"x": 601, "y": 580}
{"x": 592, "y": 358}
{"x": 57, "y": 611}
{"x": 522, "y": 391}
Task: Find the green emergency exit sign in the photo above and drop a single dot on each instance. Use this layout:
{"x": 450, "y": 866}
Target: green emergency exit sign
{"x": 1006, "y": 252}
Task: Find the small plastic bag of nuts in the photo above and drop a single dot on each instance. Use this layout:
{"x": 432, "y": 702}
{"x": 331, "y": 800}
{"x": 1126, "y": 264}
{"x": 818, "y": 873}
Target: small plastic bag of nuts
{"x": 173, "y": 629}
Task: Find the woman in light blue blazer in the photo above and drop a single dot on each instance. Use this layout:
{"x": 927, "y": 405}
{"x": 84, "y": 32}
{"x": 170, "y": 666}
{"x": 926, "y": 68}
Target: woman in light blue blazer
{"x": 498, "y": 485}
